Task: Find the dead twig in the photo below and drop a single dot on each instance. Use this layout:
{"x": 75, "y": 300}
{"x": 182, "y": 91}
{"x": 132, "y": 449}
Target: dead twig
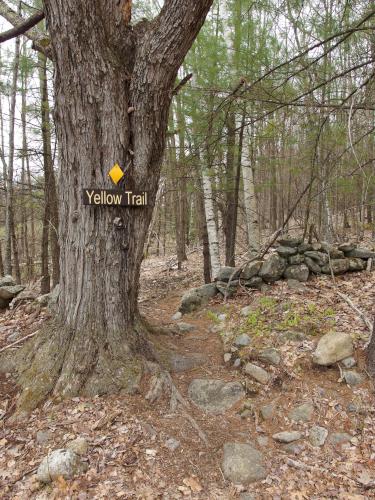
{"x": 18, "y": 341}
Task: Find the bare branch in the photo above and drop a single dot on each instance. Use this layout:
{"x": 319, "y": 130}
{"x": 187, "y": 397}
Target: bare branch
{"x": 22, "y": 28}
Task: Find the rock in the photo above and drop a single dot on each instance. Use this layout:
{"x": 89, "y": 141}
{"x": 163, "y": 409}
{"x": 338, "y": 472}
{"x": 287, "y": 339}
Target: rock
{"x": 263, "y": 441}
{"x": 78, "y": 445}
{"x": 24, "y": 296}
{"x": 172, "y": 444}
{"x": 256, "y": 283}
{"x": 245, "y": 311}
{"x": 237, "y": 363}
{"x": 348, "y": 362}
{"x": 265, "y": 288}
{"x": 339, "y": 266}
{"x": 347, "y": 247}
{"x": 242, "y": 340}
{"x": 63, "y": 463}
{"x": 242, "y": 463}
{"x": 352, "y": 377}
{"x": 290, "y": 242}
{"x": 299, "y": 272}
{"x": 7, "y": 280}
{"x": 227, "y": 357}
{"x": 273, "y": 268}
{"x": 294, "y": 260}
{"x": 252, "y": 269}
{"x": 9, "y": 292}
{"x": 225, "y": 274}
{"x": 357, "y": 264}
{"x": 179, "y": 363}
{"x": 316, "y": 247}
{"x": 223, "y": 288}
{"x": 42, "y": 437}
{"x": 319, "y": 257}
{"x": 295, "y": 285}
{"x": 185, "y": 327}
{"x": 222, "y": 317}
{"x": 294, "y": 336}
{"x": 304, "y": 247}
{"x": 270, "y": 356}
{"x": 333, "y": 347}
{"x": 332, "y": 251}
{"x": 257, "y": 373}
{"x": 196, "y": 297}
{"x": 302, "y": 413}
{"x": 286, "y": 251}
{"x": 339, "y": 438}
{"x": 215, "y": 396}
{"x": 312, "y": 265}
{"x": 287, "y": 436}
{"x": 177, "y": 316}
{"x": 293, "y": 448}
{"x": 360, "y": 253}
{"x": 267, "y": 411}
{"x": 318, "y": 435}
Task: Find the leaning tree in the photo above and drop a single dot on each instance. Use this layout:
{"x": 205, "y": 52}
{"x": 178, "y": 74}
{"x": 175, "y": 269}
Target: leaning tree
{"x": 113, "y": 84}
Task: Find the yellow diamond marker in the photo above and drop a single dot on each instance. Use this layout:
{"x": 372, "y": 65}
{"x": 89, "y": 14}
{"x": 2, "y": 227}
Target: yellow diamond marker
{"x": 116, "y": 174}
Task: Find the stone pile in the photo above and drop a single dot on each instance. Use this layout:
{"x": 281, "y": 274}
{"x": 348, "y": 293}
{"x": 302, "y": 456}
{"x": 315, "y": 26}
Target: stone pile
{"x": 293, "y": 260}
{"x": 8, "y": 291}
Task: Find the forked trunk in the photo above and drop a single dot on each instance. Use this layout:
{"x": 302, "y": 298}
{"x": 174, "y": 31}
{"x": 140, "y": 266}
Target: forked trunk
{"x": 113, "y": 90}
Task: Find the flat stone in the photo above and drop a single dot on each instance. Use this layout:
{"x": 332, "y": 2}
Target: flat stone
{"x": 242, "y": 463}
{"x": 304, "y": 247}
{"x": 338, "y": 266}
{"x": 357, "y": 264}
{"x": 302, "y": 413}
{"x": 177, "y": 316}
{"x": 339, "y": 438}
{"x": 255, "y": 283}
{"x": 295, "y": 285}
{"x": 194, "y": 298}
{"x": 225, "y": 274}
{"x": 257, "y": 373}
{"x": 312, "y": 265}
{"x": 348, "y": 362}
{"x": 352, "y": 377}
{"x": 179, "y": 363}
{"x": 318, "y": 435}
{"x": 172, "y": 444}
{"x": 347, "y": 247}
{"x": 185, "y": 327}
{"x": 296, "y": 259}
{"x": 273, "y": 268}
{"x": 242, "y": 340}
{"x": 333, "y": 347}
{"x": 361, "y": 253}
{"x": 58, "y": 463}
{"x": 294, "y": 448}
{"x": 290, "y": 242}
{"x": 299, "y": 272}
{"x": 223, "y": 288}
{"x": 267, "y": 411}
{"x": 215, "y": 396}
{"x": 287, "y": 436}
{"x": 7, "y": 280}
{"x": 319, "y": 257}
{"x": 9, "y": 292}
{"x": 286, "y": 251}
{"x": 332, "y": 251}
{"x": 237, "y": 363}
{"x": 262, "y": 441}
{"x": 270, "y": 356}
{"x": 252, "y": 269}
{"x": 78, "y": 445}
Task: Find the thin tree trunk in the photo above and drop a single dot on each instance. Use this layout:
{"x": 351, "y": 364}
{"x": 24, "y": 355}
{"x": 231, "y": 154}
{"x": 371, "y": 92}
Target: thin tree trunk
{"x": 250, "y": 200}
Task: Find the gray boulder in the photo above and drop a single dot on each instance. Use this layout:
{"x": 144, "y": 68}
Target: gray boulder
{"x": 287, "y": 436}
{"x": 58, "y": 463}
{"x": 267, "y": 411}
{"x": 357, "y": 264}
{"x": 185, "y": 327}
{"x": 319, "y": 257}
{"x": 296, "y": 259}
{"x": 273, "y": 268}
{"x": 257, "y": 373}
{"x": 286, "y": 251}
{"x": 252, "y": 269}
{"x": 215, "y": 396}
{"x": 225, "y": 273}
{"x": 295, "y": 285}
{"x": 7, "y": 280}
{"x": 178, "y": 363}
{"x": 339, "y": 266}
{"x": 313, "y": 265}
{"x": 333, "y": 347}
{"x": 347, "y": 247}
{"x": 360, "y": 253}
{"x": 78, "y": 446}
{"x": 9, "y": 292}
{"x": 242, "y": 340}
{"x": 299, "y": 272}
{"x": 270, "y": 356}
{"x": 242, "y": 463}
{"x": 196, "y": 297}
{"x": 318, "y": 435}
{"x": 339, "y": 438}
{"x": 256, "y": 283}
{"x": 302, "y": 413}
{"x": 290, "y": 242}
{"x": 333, "y": 252}
{"x": 349, "y": 362}
{"x": 226, "y": 290}
{"x": 304, "y": 247}
{"x": 353, "y": 378}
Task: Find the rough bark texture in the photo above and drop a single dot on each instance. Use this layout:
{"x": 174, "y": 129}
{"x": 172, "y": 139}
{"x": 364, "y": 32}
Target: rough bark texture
{"x": 103, "y": 66}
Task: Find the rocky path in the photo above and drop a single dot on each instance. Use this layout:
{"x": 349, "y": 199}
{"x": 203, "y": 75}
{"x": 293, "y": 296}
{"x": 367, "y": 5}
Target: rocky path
{"x": 281, "y": 420}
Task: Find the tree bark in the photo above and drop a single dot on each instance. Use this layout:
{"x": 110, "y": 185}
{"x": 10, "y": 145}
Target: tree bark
{"x": 103, "y": 66}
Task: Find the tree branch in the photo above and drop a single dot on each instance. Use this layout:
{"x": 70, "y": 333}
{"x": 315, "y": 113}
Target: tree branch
{"x": 21, "y": 29}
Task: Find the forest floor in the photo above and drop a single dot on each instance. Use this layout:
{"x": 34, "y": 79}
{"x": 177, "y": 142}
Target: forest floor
{"x": 131, "y": 455}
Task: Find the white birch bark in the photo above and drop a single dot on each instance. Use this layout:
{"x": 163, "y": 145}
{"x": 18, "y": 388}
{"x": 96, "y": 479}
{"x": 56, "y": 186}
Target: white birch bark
{"x": 250, "y": 201}
{"x": 211, "y": 225}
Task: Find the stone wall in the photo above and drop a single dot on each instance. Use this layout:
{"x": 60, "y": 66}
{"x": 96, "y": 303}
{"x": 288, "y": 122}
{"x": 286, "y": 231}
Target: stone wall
{"x": 293, "y": 260}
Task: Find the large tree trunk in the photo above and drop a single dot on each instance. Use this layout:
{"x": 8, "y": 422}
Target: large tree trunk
{"x": 103, "y": 67}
